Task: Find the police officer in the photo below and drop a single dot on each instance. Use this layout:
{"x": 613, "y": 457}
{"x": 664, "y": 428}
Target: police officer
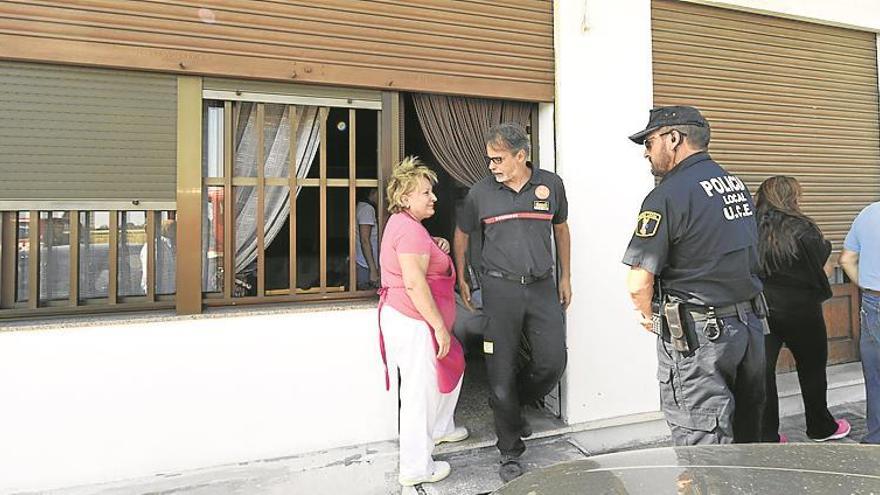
{"x": 516, "y": 209}
{"x": 697, "y": 238}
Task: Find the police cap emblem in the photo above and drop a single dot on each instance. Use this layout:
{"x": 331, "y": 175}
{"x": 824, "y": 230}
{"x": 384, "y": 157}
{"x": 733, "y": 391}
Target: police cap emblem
{"x": 648, "y": 224}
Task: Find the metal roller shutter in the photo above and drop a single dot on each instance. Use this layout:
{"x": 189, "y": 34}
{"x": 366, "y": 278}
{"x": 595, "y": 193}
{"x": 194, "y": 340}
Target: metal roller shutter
{"x": 474, "y": 47}
{"x": 70, "y": 135}
{"x": 782, "y": 96}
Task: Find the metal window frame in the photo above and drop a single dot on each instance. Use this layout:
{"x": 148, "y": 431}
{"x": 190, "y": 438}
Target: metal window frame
{"x": 229, "y": 181}
{"x": 74, "y": 303}
{"x": 314, "y": 101}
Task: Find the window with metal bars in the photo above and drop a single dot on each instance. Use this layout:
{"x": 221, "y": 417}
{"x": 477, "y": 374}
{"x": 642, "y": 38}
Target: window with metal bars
{"x": 287, "y": 198}
{"x": 68, "y": 261}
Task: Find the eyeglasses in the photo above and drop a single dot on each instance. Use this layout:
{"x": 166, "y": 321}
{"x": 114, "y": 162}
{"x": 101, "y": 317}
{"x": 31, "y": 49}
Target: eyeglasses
{"x": 648, "y": 142}
{"x": 494, "y": 159}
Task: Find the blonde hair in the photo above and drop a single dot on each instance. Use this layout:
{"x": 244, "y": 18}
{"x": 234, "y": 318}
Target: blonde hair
{"x": 404, "y": 179}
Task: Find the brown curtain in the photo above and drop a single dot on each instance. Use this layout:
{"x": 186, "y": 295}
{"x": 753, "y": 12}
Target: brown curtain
{"x": 454, "y": 128}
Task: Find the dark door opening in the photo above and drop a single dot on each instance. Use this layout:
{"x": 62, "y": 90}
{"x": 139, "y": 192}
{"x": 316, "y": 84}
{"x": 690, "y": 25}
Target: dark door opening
{"x": 473, "y": 409}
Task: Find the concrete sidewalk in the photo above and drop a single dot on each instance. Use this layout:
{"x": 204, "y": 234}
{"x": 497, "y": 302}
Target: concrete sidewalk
{"x": 372, "y": 469}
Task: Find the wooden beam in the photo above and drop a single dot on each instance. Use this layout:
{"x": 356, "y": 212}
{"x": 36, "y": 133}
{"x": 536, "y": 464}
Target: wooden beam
{"x": 389, "y": 149}
{"x": 113, "y": 262}
{"x": 354, "y": 228}
{"x": 34, "y": 259}
{"x": 73, "y": 241}
{"x": 150, "y": 230}
{"x": 293, "y": 184}
{"x": 189, "y": 195}
{"x": 228, "y": 218}
{"x": 261, "y": 201}
{"x": 322, "y": 264}
{"x": 8, "y": 258}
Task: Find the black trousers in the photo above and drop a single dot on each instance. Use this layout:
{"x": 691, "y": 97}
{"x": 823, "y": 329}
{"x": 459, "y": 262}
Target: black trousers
{"x": 515, "y": 312}
{"x": 804, "y": 333}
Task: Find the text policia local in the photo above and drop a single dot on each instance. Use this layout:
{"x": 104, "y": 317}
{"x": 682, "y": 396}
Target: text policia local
{"x": 736, "y": 203}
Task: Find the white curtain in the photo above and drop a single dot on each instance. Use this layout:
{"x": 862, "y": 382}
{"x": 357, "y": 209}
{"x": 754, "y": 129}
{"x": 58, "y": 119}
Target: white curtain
{"x": 277, "y": 132}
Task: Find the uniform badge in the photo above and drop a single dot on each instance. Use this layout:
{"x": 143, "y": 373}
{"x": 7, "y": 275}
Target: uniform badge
{"x": 648, "y": 223}
{"x": 488, "y": 347}
{"x": 542, "y": 192}
{"x": 542, "y": 205}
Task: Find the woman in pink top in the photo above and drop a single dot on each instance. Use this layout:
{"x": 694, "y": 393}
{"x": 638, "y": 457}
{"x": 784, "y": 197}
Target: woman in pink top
{"x": 416, "y": 312}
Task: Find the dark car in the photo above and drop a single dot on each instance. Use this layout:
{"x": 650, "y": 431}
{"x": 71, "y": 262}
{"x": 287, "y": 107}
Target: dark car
{"x": 713, "y": 469}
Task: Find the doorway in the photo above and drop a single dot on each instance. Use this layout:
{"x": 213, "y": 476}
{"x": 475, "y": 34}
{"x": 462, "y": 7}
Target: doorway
{"x": 473, "y": 409}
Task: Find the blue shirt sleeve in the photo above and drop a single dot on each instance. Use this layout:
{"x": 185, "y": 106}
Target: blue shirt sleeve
{"x": 852, "y": 243}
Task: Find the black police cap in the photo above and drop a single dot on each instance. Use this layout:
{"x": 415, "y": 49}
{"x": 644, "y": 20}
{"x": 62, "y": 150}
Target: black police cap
{"x": 668, "y": 116}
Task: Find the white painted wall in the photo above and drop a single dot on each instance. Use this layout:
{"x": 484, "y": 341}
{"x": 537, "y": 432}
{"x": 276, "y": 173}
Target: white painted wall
{"x": 547, "y": 136}
{"x": 603, "y": 94}
{"x": 85, "y": 405}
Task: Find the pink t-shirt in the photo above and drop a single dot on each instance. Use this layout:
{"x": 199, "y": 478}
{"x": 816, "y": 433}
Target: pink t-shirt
{"x": 405, "y": 235}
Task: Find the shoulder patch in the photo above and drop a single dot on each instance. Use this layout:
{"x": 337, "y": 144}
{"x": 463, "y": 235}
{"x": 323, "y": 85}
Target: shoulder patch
{"x": 542, "y": 192}
{"x": 648, "y": 224}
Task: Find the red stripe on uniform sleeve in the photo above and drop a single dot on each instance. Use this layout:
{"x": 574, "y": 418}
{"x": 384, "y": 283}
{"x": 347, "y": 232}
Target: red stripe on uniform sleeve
{"x": 525, "y": 215}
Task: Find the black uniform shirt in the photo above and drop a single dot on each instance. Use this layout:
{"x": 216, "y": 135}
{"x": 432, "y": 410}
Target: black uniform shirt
{"x": 516, "y": 226}
{"x": 697, "y": 231}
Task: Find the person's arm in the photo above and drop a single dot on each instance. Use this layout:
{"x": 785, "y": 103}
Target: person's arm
{"x": 563, "y": 253}
{"x": 364, "y": 233}
{"x": 828, "y": 267}
{"x": 460, "y": 245}
{"x": 414, "y": 268}
{"x": 849, "y": 261}
{"x": 817, "y": 250}
{"x": 640, "y": 284}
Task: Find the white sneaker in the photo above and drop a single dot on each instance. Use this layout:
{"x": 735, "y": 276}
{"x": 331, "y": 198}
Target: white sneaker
{"x": 458, "y": 434}
{"x": 441, "y": 471}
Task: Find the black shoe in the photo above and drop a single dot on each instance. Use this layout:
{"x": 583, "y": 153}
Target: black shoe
{"x": 526, "y": 429}
{"x": 510, "y": 469}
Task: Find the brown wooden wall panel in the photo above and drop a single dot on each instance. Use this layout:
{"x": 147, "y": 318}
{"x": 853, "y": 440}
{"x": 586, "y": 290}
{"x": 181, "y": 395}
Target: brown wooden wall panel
{"x": 474, "y": 47}
{"x": 782, "y": 96}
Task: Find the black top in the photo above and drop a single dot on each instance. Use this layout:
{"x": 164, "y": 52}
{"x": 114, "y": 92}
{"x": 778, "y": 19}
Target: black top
{"x": 697, "y": 232}
{"x": 800, "y": 280}
{"x": 516, "y": 226}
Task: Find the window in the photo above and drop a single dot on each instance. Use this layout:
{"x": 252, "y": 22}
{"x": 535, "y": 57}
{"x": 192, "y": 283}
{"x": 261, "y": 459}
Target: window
{"x": 115, "y": 258}
{"x": 281, "y": 184}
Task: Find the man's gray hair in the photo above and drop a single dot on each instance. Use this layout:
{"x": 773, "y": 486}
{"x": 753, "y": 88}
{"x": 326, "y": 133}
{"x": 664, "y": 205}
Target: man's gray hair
{"x": 698, "y": 136}
{"x": 508, "y": 135}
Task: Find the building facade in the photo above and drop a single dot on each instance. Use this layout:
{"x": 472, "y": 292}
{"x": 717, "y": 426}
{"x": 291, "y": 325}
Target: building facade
{"x": 201, "y": 164}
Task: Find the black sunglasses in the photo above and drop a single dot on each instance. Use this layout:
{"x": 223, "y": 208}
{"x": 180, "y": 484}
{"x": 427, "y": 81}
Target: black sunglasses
{"x": 648, "y": 142}
{"x": 494, "y": 159}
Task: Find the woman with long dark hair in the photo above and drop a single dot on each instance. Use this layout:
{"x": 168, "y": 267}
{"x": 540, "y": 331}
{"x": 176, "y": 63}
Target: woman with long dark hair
{"x": 792, "y": 253}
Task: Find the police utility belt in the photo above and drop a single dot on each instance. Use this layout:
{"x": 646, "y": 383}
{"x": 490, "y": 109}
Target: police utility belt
{"x": 520, "y": 279}
{"x": 669, "y": 320}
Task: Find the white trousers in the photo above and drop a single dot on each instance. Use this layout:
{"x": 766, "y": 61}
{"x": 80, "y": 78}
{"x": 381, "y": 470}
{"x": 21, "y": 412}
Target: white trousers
{"x": 425, "y": 413}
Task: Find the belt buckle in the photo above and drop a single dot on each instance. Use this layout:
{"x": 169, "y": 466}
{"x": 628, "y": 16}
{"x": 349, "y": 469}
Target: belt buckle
{"x": 522, "y": 279}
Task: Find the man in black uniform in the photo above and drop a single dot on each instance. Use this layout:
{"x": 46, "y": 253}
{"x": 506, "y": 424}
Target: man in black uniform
{"x": 517, "y": 209}
{"x": 696, "y": 237}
